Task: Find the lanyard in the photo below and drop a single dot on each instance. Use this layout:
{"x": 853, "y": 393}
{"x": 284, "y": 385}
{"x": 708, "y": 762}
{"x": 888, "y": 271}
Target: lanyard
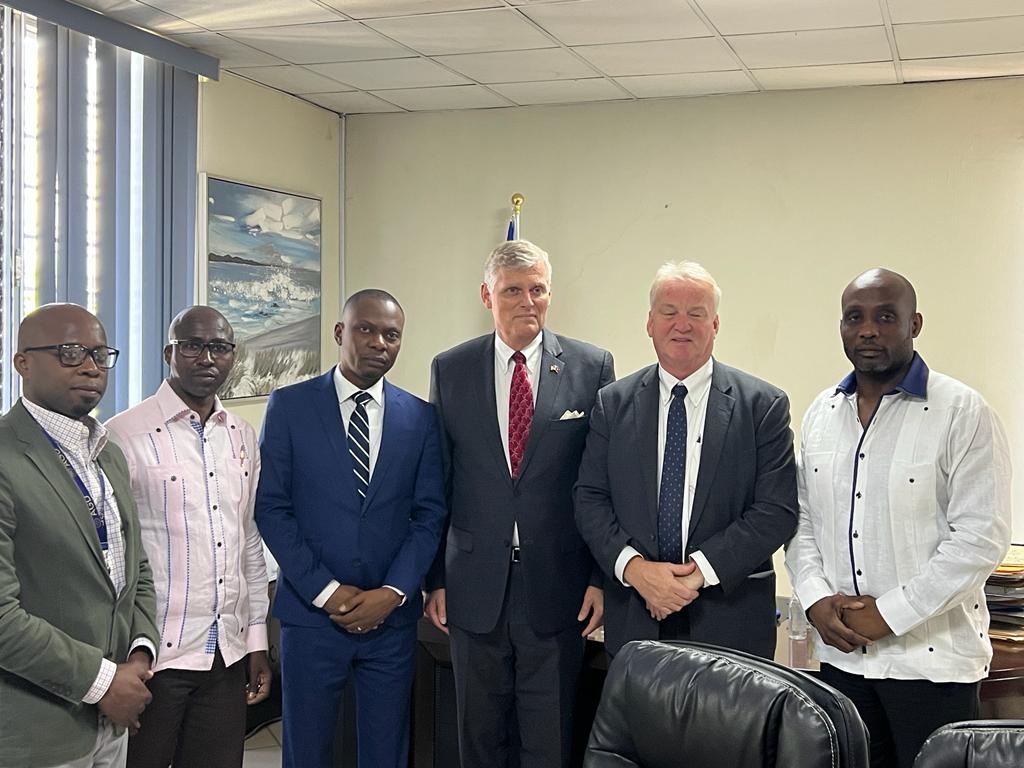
{"x": 98, "y": 514}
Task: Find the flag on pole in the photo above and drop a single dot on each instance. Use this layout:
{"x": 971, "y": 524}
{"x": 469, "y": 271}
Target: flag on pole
{"x": 513, "y": 223}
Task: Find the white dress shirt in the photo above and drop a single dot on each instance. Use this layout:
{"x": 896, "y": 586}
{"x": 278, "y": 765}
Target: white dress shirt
{"x": 697, "y": 384}
{"x": 375, "y": 418}
{"x": 81, "y": 442}
{"x": 913, "y": 510}
{"x": 503, "y": 370}
{"x": 195, "y": 488}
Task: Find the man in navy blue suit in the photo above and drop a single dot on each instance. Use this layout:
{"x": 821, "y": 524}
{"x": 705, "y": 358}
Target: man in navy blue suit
{"x": 351, "y": 503}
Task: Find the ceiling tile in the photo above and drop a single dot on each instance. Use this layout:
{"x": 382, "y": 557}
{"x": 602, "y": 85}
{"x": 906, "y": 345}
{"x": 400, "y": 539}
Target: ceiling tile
{"x": 140, "y": 15}
{"x": 230, "y": 53}
{"x": 613, "y": 21}
{"x": 236, "y": 14}
{"x": 903, "y": 11}
{"x": 705, "y": 54}
{"x": 561, "y": 91}
{"x": 445, "y": 97}
{"x": 392, "y": 73}
{"x": 693, "y": 84}
{"x": 829, "y": 76}
{"x": 960, "y": 67}
{"x": 291, "y": 79}
{"x": 960, "y": 38}
{"x": 739, "y": 17}
{"x": 355, "y": 102}
{"x": 467, "y": 32}
{"x": 373, "y": 9}
{"x": 519, "y": 66}
{"x": 318, "y": 43}
{"x": 827, "y": 46}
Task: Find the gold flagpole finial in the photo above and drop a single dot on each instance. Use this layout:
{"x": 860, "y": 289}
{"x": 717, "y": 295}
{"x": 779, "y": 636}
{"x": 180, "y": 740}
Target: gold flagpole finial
{"x": 517, "y": 203}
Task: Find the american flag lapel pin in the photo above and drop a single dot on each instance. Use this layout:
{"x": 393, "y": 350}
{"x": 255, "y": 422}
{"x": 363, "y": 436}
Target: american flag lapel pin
{"x": 554, "y": 368}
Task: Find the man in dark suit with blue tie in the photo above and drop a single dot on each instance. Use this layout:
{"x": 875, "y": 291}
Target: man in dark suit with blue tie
{"x": 351, "y": 503}
{"x": 688, "y": 484}
{"x": 515, "y": 584}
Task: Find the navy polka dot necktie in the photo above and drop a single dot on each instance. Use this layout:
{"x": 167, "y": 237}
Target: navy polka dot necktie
{"x": 673, "y": 480}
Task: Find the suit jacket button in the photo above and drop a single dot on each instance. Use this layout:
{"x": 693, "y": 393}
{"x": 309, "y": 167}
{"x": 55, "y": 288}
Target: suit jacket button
{"x": 357, "y": 563}
{"x": 517, "y": 493}
{"x": 653, "y": 537}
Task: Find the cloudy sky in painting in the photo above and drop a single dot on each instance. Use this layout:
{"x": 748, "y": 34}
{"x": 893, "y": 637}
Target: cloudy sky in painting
{"x": 262, "y": 225}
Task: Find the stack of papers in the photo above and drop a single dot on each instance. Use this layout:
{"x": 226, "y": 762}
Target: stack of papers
{"x": 1004, "y": 592}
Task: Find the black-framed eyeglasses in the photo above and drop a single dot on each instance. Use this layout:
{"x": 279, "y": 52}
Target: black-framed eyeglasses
{"x": 195, "y": 348}
{"x": 73, "y": 355}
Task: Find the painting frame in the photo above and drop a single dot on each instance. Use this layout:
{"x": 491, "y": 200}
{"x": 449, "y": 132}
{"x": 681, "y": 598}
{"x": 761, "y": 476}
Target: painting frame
{"x": 260, "y": 261}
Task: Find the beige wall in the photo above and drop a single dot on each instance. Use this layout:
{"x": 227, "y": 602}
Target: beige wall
{"x": 261, "y": 136}
{"x": 783, "y": 196}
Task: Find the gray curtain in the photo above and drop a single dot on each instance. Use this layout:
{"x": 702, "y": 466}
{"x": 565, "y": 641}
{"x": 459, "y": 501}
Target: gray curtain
{"x": 135, "y": 306}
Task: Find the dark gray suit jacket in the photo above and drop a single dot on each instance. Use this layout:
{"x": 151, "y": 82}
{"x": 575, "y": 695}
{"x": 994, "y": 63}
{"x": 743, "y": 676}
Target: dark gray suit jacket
{"x": 484, "y": 502}
{"x": 744, "y": 508}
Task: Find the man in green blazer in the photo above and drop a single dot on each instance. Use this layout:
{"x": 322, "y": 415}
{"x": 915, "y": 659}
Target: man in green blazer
{"x": 77, "y": 635}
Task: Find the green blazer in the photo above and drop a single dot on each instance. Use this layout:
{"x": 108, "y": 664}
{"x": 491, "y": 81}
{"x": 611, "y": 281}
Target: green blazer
{"x": 59, "y": 616}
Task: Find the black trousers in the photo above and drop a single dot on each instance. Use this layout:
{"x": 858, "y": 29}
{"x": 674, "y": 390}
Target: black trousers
{"x": 512, "y": 674}
{"x": 902, "y": 714}
{"x": 195, "y": 719}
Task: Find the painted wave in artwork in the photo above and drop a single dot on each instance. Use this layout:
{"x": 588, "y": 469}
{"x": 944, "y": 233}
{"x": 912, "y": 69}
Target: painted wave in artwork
{"x": 264, "y": 276}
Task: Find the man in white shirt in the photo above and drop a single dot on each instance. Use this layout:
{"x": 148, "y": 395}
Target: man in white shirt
{"x": 688, "y": 484}
{"x": 194, "y": 468}
{"x": 904, "y": 512}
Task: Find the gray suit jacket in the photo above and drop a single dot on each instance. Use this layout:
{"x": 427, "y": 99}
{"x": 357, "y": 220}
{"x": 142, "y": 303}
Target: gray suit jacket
{"x": 744, "y": 508}
{"x": 483, "y": 500}
{"x": 59, "y": 616}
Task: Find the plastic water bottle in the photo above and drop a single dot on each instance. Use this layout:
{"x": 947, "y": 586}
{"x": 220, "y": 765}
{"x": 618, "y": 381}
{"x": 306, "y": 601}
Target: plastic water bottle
{"x": 796, "y": 631}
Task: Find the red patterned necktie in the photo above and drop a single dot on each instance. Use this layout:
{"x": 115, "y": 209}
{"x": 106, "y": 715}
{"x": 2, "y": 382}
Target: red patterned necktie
{"x": 520, "y": 413}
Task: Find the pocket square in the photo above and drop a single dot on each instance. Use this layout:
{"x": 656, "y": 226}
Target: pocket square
{"x": 571, "y": 415}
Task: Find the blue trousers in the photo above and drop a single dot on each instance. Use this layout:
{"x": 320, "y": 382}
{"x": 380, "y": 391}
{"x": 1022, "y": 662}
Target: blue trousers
{"x": 315, "y": 666}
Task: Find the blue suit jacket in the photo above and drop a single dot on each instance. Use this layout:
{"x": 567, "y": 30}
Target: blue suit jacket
{"x": 309, "y": 511}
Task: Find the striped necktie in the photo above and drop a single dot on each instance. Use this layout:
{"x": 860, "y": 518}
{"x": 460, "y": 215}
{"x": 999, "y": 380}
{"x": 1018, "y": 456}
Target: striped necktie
{"x": 359, "y": 442}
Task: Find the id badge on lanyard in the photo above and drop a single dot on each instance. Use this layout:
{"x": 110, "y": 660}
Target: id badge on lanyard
{"x": 99, "y": 519}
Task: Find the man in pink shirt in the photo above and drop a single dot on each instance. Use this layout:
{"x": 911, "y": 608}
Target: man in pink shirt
{"x": 194, "y": 469}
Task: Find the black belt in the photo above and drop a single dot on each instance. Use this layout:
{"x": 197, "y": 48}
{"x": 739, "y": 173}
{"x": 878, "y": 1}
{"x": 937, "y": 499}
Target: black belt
{"x": 515, "y": 555}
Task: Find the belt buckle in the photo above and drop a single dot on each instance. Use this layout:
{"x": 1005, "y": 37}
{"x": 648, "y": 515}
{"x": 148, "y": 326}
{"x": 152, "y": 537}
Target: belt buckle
{"x": 515, "y": 555}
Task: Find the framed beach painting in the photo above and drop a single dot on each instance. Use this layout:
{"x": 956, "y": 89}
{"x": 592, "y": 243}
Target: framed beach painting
{"x": 263, "y": 274}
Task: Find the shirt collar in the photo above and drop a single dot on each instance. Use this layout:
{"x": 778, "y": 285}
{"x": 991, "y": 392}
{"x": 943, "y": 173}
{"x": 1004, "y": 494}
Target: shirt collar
{"x": 503, "y": 352}
{"x": 346, "y": 388}
{"x": 697, "y": 383}
{"x": 914, "y": 382}
{"x": 85, "y": 437}
{"x": 172, "y": 407}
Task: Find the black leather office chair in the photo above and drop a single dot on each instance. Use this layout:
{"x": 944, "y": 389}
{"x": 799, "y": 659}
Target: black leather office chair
{"x": 686, "y": 705}
{"x": 974, "y": 744}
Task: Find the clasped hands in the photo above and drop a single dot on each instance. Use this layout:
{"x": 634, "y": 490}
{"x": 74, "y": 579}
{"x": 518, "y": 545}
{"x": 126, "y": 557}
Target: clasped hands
{"x": 360, "y": 611}
{"x": 666, "y": 587}
{"x": 847, "y": 622}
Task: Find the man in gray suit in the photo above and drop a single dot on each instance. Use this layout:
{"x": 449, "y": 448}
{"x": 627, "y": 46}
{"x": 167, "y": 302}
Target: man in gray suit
{"x": 688, "y": 484}
{"x": 513, "y": 580}
{"x": 77, "y": 603}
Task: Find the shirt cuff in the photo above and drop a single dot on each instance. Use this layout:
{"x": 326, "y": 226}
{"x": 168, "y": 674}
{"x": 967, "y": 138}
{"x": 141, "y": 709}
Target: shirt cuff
{"x": 812, "y": 590}
{"x": 321, "y": 600}
{"x": 398, "y": 592}
{"x": 627, "y": 554}
{"x": 102, "y": 682}
{"x": 142, "y": 642}
{"x": 710, "y": 577}
{"x": 897, "y": 611}
{"x": 256, "y": 637}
